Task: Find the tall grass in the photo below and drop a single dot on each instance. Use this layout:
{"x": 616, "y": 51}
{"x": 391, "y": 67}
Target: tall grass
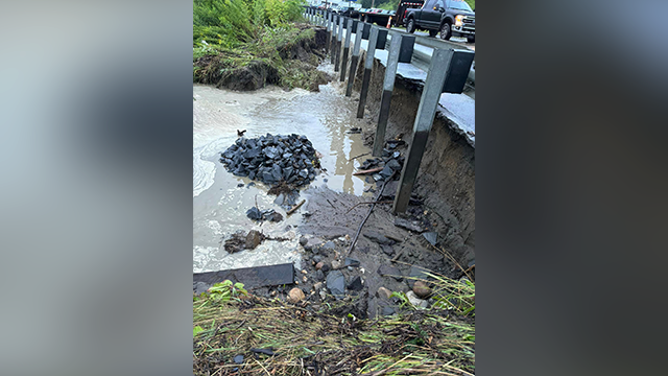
{"x": 232, "y": 23}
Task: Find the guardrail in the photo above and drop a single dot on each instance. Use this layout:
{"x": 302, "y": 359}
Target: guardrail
{"x": 448, "y": 68}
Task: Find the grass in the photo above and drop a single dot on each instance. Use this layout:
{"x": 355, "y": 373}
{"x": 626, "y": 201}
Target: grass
{"x": 303, "y": 340}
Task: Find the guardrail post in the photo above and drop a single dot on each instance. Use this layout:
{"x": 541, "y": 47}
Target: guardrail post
{"x": 339, "y": 36}
{"x": 355, "y": 59}
{"x": 386, "y": 98}
{"x": 368, "y": 65}
{"x": 346, "y": 49}
{"x": 334, "y": 30}
{"x": 329, "y": 32}
{"x": 431, "y": 94}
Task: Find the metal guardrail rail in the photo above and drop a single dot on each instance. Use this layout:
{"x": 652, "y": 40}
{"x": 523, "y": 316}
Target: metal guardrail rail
{"x": 420, "y": 59}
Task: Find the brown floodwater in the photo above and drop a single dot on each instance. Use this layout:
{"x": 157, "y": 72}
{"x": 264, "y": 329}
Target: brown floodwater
{"x": 219, "y": 205}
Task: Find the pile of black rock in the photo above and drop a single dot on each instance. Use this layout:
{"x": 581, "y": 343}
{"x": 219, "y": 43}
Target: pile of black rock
{"x": 391, "y": 161}
{"x": 273, "y": 159}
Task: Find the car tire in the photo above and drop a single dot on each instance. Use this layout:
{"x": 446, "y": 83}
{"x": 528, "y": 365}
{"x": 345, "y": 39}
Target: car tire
{"x": 410, "y": 26}
{"x": 446, "y": 30}
{"x": 433, "y": 33}
{"x": 470, "y": 39}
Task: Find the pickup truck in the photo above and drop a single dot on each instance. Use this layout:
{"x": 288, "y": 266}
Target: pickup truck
{"x": 444, "y": 17}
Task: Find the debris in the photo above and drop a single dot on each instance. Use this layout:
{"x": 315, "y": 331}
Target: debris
{"x": 431, "y": 237}
{"x": 351, "y": 262}
{"x": 408, "y": 225}
{"x": 356, "y": 284}
{"x": 269, "y": 351}
{"x": 295, "y": 208}
{"x": 253, "y": 239}
{"x": 371, "y": 171}
{"x": 273, "y": 159}
{"x": 319, "y": 265}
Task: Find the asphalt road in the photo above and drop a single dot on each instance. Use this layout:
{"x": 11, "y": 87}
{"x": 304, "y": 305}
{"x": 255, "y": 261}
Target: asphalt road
{"x": 455, "y": 40}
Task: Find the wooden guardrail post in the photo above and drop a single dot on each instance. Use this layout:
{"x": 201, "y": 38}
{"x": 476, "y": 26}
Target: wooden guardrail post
{"x": 386, "y": 98}
{"x": 431, "y": 94}
{"x": 368, "y": 65}
{"x": 355, "y": 59}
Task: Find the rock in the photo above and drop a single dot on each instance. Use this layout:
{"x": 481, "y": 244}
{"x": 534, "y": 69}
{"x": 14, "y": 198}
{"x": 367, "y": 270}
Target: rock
{"x": 317, "y": 259}
{"x": 336, "y": 264}
{"x": 319, "y": 275}
{"x": 387, "y": 249}
{"x": 386, "y": 172}
{"x": 390, "y": 271}
{"x": 239, "y": 359}
{"x": 356, "y": 284}
{"x": 336, "y": 284}
{"x": 199, "y": 287}
{"x": 253, "y": 239}
{"x": 318, "y": 286}
{"x": 318, "y": 265}
{"x": 408, "y": 225}
{"x": 431, "y": 237}
{"x": 240, "y": 185}
{"x": 254, "y": 214}
{"x": 329, "y": 246}
{"x": 383, "y": 293}
{"x": 323, "y": 294}
{"x": 303, "y": 241}
{"x": 274, "y": 217}
{"x": 387, "y": 311}
{"x": 417, "y": 272}
{"x": 414, "y": 300}
{"x": 421, "y": 290}
{"x": 377, "y": 237}
{"x": 351, "y": 262}
{"x": 325, "y": 267}
{"x": 279, "y": 201}
{"x": 296, "y": 295}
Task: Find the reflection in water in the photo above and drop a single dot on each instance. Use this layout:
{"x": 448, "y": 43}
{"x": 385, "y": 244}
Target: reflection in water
{"x": 219, "y": 205}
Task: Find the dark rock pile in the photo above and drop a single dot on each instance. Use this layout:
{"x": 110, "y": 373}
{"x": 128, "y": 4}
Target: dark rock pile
{"x": 391, "y": 161}
{"x": 273, "y": 159}
{"x": 264, "y": 215}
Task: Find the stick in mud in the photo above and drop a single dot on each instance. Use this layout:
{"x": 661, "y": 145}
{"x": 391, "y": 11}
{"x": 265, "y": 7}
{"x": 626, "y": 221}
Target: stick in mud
{"x": 295, "y": 208}
{"x": 380, "y": 193}
{"x": 361, "y": 155}
{"x": 371, "y": 171}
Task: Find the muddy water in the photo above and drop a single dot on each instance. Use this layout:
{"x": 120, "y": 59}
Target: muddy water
{"x": 219, "y": 205}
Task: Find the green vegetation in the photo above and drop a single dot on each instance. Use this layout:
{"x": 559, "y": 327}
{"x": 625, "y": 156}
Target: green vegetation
{"x": 297, "y": 338}
{"x": 244, "y": 44}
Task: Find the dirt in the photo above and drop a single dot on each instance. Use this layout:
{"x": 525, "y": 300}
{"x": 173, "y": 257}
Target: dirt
{"x": 299, "y": 61}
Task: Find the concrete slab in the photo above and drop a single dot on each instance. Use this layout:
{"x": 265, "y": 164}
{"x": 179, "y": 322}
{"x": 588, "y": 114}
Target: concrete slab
{"x": 271, "y": 275}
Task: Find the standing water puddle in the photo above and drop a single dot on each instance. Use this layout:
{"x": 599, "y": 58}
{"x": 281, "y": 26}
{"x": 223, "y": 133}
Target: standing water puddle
{"x": 219, "y": 204}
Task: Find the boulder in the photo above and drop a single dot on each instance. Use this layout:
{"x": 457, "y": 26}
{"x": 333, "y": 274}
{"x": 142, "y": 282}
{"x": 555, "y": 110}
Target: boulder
{"x": 253, "y": 239}
{"x": 383, "y": 293}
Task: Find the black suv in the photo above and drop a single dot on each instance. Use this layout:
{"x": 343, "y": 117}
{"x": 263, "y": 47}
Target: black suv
{"x": 447, "y": 17}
